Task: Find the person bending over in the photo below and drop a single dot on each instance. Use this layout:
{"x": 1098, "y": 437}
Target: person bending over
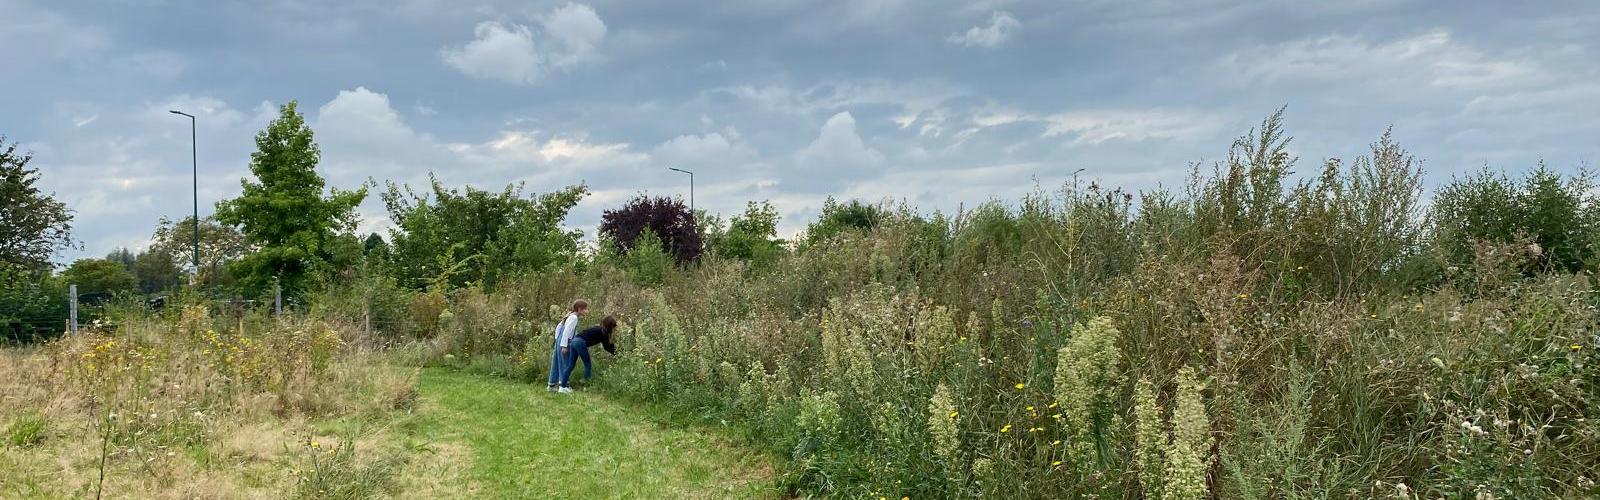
{"x": 580, "y": 344}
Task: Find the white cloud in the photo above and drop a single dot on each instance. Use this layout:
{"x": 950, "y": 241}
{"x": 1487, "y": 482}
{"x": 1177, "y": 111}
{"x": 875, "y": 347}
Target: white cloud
{"x": 578, "y": 30}
{"x": 839, "y": 146}
{"x": 1433, "y": 58}
{"x": 509, "y": 52}
{"x": 1097, "y": 126}
{"x": 714, "y": 148}
{"x": 515, "y": 147}
{"x": 1002, "y": 27}
{"x": 499, "y": 52}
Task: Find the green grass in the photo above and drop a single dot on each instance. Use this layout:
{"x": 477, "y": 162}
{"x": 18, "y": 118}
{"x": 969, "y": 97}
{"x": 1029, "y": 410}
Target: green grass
{"x": 527, "y": 443}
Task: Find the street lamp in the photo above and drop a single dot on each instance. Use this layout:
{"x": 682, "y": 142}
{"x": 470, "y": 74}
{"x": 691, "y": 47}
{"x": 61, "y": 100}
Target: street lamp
{"x": 194, "y": 159}
{"x": 691, "y": 185}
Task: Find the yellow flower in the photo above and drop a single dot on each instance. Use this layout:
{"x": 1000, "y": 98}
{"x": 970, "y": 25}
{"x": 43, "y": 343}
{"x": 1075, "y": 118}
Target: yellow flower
{"x": 1576, "y": 347}
{"x": 1056, "y": 463}
{"x": 658, "y": 360}
{"x": 1005, "y": 429}
{"x": 1021, "y": 386}
{"x": 1055, "y": 443}
{"x": 955, "y": 414}
{"x": 1052, "y": 405}
{"x": 1030, "y": 407}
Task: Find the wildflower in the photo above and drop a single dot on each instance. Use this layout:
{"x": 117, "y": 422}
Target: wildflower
{"x": 1030, "y": 408}
{"x": 1005, "y": 429}
{"x": 1576, "y": 347}
{"x": 1056, "y": 463}
{"x": 1148, "y": 438}
{"x": 1188, "y": 455}
{"x": 1021, "y": 386}
{"x": 955, "y": 414}
{"x": 1055, "y": 443}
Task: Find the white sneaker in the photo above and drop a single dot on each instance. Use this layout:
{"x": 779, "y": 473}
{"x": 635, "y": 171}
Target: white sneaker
{"x": 565, "y": 390}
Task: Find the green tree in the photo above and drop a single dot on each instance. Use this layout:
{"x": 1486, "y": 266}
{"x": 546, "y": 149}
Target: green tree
{"x": 156, "y": 272}
{"x": 1555, "y": 215}
{"x": 751, "y": 236}
{"x": 285, "y": 211}
{"x": 33, "y": 225}
{"x": 99, "y": 276}
{"x": 220, "y": 246}
{"x": 840, "y": 217}
{"x": 480, "y": 236}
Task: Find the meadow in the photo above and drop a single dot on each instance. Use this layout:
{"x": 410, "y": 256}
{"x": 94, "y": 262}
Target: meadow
{"x": 1253, "y": 334}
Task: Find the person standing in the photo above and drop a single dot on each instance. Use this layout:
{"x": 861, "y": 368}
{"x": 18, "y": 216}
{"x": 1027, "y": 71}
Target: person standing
{"x": 560, "y": 349}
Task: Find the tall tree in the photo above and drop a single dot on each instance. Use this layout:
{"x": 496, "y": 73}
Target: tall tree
{"x": 94, "y": 276}
{"x": 285, "y": 211}
{"x": 672, "y": 222}
{"x": 156, "y": 272}
{"x": 33, "y": 225}
{"x": 220, "y": 246}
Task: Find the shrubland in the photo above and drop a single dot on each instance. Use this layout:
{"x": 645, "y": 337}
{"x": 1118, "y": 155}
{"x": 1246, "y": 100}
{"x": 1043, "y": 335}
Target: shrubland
{"x": 1255, "y": 334}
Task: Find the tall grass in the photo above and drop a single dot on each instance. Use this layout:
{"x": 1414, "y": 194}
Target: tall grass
{"x": 1253, "y": 335}
{"x": 194, "y": 404}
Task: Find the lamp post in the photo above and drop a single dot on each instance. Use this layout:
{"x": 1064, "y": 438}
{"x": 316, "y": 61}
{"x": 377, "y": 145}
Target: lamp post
{"x": 691, "y": 185}
{"x": 194, "y": 164}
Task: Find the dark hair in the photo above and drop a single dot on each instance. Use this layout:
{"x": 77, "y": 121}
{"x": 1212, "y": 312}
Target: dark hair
{"x": 608, "y": 324}
{"x": 579, "y": 304}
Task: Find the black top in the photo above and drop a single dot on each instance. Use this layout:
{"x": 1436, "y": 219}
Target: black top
{"x": 597, "y": 335}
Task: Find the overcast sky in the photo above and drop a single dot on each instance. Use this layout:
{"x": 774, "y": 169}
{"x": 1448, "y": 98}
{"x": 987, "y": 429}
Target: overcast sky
{"x": 936, "y": 103}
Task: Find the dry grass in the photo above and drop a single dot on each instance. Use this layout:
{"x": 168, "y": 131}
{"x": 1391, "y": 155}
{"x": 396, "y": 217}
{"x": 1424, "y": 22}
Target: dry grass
{"x": 174, "y": 409}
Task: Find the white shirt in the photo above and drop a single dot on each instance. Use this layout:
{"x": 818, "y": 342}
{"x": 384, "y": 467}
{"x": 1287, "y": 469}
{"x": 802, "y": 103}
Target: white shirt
{"x": 567, "y": 329}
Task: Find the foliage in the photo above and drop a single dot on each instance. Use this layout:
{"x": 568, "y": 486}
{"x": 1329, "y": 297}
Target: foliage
{"x": 33, "y": 305}
{"x": 221, "y": 245}
{"x": 751, "y": 237}
{"x": 284, "y": 211}
{"x": 671, "y": 222}
{"x": 100, "y": 276}
{"x": 33, "y": 224}
{"x": 1556, "y": 216}
{"x": 487, "y": 235}
{"x": 838, "y": 218}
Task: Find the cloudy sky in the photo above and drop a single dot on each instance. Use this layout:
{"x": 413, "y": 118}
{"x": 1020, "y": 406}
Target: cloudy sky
{"x": 936, "y": 103}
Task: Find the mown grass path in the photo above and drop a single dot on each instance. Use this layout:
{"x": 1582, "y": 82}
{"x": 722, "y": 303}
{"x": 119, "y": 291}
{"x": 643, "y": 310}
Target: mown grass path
{"x": 526, "y": 443}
